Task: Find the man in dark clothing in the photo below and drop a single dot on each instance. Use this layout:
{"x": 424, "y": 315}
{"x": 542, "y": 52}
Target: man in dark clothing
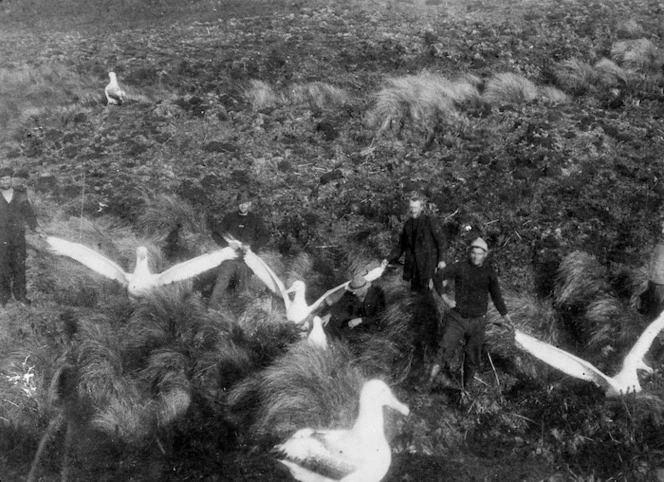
{"x": 424, "y": 245}
{"x": 474, "y": 280}
{"x": 357, "y": 309}
{"x": 247, "y": 228}
{"x": 15, "y": 212}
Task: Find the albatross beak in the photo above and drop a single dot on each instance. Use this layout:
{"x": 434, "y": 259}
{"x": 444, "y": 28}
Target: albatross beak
{"x": 398, "y": 406}
{"x": 642, "y": 366}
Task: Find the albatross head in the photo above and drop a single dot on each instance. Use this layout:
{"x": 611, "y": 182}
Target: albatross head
{"x": 297, "y": 287}
{"x": 377, "y": 391}
{"x": 112, "y": 77}
{"x": 141, "y": 253}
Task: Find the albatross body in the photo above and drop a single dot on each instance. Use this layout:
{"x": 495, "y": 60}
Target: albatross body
{"x": 359, "y": 454}
{"x": 297, "y": 309}
{"x": 114, "y": 93}
{"x": 624, "y": 382}
{"x": 317, "y": 336}
{"x": 141, "y": 282}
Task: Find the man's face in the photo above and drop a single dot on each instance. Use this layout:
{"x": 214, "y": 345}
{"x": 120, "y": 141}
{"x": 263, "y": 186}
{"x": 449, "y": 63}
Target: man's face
{"x": 19, "y": 182}
{"x": 244, "y": 207}
{"x": 415, "y": 209}
{"x": 5, "y": 182}
{"x": 477, "y": 256}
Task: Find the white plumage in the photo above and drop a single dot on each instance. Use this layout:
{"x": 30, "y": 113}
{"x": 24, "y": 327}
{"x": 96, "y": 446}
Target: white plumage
{"x": 297, "y": 309}
{"x": 141, "y": 281}
{"x": 624, "y": 382}
{"x": 359, "y": 454}
{"x": 317, "y": 336}
{"x": 114, "y": 93}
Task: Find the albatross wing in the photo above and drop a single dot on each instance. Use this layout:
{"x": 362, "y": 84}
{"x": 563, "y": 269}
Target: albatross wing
{"x": 88, "y": 257}
{"x": 562, "y": 360}
{"x": 644, "y": 342}
{"x": 195, "y": 266}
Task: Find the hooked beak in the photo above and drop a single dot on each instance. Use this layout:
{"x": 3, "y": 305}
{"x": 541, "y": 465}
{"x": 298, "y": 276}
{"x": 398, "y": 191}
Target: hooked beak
{"x": 398, "y": 406}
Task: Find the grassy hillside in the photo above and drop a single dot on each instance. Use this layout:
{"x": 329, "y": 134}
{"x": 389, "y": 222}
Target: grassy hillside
{"x": 536, "y": 125}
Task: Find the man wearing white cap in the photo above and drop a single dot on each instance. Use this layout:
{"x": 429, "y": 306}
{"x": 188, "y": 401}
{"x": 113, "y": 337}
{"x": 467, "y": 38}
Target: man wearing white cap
{"x": 474, "y": 280}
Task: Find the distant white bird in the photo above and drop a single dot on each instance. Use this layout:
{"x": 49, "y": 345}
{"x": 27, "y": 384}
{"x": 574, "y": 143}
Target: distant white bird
{"x": 141, "y": 281}
{"x": 317, "y": 334}
{"x": 114, "y": 93}
{"x": 360, "y": 454}
{"x": 624, "y": 382}
{"x": 297, "y": 309}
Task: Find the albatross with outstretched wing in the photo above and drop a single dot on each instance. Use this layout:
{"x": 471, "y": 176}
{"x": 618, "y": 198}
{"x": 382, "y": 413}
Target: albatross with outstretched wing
{"x": 359, "y": 454}
{"x": 141, "y": 281}
{"x": 297, "y": 309}
{"x": 624, "y": 382}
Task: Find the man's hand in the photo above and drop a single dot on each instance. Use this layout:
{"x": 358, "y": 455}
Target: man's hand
{"x": 506, "y": 323}
{"x": 441, "y": 265}
{"x": 450, "y": 302}
{"x": 40, "y": 232}
{"x": 354, "y": 322}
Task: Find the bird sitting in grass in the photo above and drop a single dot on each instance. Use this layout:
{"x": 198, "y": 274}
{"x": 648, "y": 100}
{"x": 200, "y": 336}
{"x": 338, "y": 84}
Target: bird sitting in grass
{"x": 317, "y": 335}
{"x": 624, "y": 382}
{"x": 297, "y": 309}
{"x": 115, "y": 95}
{"x": 359, "y": 454}
{"x": 141, "y": 282}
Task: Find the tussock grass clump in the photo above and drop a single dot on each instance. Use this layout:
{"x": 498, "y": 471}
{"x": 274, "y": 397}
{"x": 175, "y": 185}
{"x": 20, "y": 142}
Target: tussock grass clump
{"x": 318, "y": 95}
{"x": 261, "y": 95}
{"x": 509, "y": 88}
{"x": 553, "y": 95}
{"x": 306, "y": 387}
{"x": 629, "y": 29}
{"x": 610, "y": 74}
{"x": 422, "y": 100}
{"x": 27, "y": 91}
{"x": 576, "y": 76}
{"x": 580, "y": 279}
{"x": 640, "y": 55}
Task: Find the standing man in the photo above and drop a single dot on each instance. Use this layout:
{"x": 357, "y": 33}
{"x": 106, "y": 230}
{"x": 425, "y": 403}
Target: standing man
{"x": 357, "y": 309}
{"x": 474, "y": 280}
{"x": 246, "y": 227}
{"x": 423, "y": 243}
{"x": 15, "y": 212}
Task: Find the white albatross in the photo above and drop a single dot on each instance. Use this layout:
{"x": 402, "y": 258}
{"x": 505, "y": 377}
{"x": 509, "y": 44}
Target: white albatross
{"x": 359, "y": 454}
{"x": 141, "y": 281}
{"x": 115, "y": 95}
{"x": 297, "y": 309}
{"x": 624, "y": 382}
{"x": 317, "y": 335}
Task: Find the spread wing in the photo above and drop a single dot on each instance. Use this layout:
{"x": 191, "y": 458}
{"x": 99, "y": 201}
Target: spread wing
{"x": 265, "y": 274}
{"x": 560, "y": 359}
{"x": 376, "y": 273}
{"x": 320, "y": 300}
{"x": 88, "y": 257}
{"x": 644, "y": 342}
{"x": 196, "y": 266}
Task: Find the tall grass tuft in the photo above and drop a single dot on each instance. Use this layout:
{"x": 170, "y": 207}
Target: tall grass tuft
{"x": 576, "y": 77}
{"x": 261, "y": 95}
{"x": 553, "y": 95}
{"x": 27, "y": 91}
{"x": 306, "y": 387}
{"x": 509, "y": 88}
{"x": 640, "y": 55}
{"x": 610, "y": 74}
{"x": 318, "y": 95}
{"x": 423, "y": 101}
{"x": 580, "y": 279}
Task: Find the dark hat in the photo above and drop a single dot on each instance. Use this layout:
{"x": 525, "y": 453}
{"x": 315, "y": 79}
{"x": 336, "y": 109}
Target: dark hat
{"x": 357, "y": 282}
{"x": 243, "y": 197}
{"x": 22, "y": 173}
{"x": 6, "y": 171}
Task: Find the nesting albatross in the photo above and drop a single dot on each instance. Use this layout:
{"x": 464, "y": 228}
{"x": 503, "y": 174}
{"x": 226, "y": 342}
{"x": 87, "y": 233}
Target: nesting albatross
{"x": 115, "y": 95}
{"x": 141, "y": 281}
{"x": 624, "y": 382}
{"x": 359, "y": 454}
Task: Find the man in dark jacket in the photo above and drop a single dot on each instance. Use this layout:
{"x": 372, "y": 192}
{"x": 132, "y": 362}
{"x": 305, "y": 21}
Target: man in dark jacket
{"x": 423, "y": 243}
{"x": 357, "y": 309}
{"x": 15, "y": 212}
{"x": 474, "y": 281}
{"x": 246, "y": 227}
